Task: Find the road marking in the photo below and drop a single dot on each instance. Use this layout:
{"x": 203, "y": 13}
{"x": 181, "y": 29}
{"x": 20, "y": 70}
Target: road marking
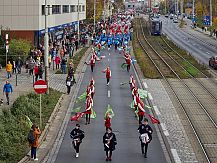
{"x": 163, "y": 126}
{"x": 109, "y": 53}
{"x": 175, "y": 156}
{"x": 156, "y": 110}
{"x": 150, "y": 96}
{"x": 200, "y": 48}
{"x": 109, "y": 94}
{"x": 108, "y": 59}
{"x": 145, "y": 85}
{"x": 207, "y": 53}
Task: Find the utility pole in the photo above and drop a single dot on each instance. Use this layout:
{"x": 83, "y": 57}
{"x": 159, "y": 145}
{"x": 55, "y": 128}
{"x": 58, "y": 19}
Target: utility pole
{"x": 210, "y": 4}
{"x": 78, "y": 8}
{"x": 104, "y": 10}
{"x": 46, "y": 40}
{"x": 181, "y": 7}
{"x": 165, "y": 7}
{"x": 94, "y": 16}
{"x": 193, "y": 9}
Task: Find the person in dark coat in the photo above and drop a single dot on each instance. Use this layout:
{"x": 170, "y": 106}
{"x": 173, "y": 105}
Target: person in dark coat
{"x": 145, "y": 132}
{"x": 40, "y": 71}
{"x": 68, "y": 84}
{"x": 71, "y": 72}
{"x": 109, "y": 141}
{"x": 77, "y": 135}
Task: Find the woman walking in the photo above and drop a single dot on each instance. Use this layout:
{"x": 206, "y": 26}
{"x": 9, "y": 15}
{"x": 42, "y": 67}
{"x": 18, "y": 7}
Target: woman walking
{"x": 109, "y": 141}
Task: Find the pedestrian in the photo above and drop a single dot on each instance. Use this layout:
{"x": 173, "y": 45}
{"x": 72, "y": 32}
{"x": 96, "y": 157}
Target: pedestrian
{"x": 92, "y": 63}
{"x": 128, "y": 62}
{"x": 88, "y": 111}
{"x": 92, "y": 88}
{"x": 49, "y": 60}
{"x": 40, "y": 71}
{"x": 33, "y": 137}
{"x": 145, "y": 132}
{"x": 7, "y": 89}
{"x": 141, "y": 110}
{"x": 68, "y": 84}
{"x": 71, "y": 72}
{"x": 36, "y": 72}
{"x": 108, "y": 74}
{"x": 76, "y": 44}
{"x": 19, "y": 64}
{"x": 216, "y": 33}
{"x": 9, "y": 67}
{"x": 63, "y": 65}
{"x": 14, "y": 67}
{"x": 109, "y": 141}
{"x": 77, "y": 135}
{"x": 57, "y": 62}
{"x": 31, "y": 65}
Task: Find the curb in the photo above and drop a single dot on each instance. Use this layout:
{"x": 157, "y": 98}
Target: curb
{"x": 54, "y": 114}
{"x": 160, "y": 133}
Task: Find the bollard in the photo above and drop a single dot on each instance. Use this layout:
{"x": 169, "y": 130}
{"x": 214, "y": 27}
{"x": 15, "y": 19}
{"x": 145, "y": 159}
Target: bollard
{"x": 16, "y": 79}
{"x": 53, "y": 64}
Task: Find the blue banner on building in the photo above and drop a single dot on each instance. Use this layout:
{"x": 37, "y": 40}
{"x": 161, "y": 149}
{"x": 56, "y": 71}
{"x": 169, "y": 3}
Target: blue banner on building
{"x": 206, "y": 20}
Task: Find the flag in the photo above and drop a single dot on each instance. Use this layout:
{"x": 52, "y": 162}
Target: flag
{"x": 109, "y": 111}
{"x": 93, "y": 114}
{"x": 28, "y": 122}
{"x": 136, "y": 113}
{"x": 133, "y": 61}
{"x": 142, "y": 93}
{"x": 76, "y": 110}
{"x": 81, "y": 97}
{"x": 132, "y": 105}
{"x": 77, "y": 116}
{"x": 147, "y": 106}
{"x": 153, "y": 119}
{"x": 124, "y": 65}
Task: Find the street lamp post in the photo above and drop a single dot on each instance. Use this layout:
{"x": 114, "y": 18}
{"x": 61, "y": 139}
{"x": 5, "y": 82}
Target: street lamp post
{"x": 46, "y": 40}
{"x": 193, "y": 9}
{"x": 78, "y": 9}
{"x": 94, "y": 17}
{"x": 210, "y": 4}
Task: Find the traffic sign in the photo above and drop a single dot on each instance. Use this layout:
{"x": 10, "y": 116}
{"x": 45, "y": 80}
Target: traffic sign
{"x": 206, "y": 20}
{"x": 40, "y": 86}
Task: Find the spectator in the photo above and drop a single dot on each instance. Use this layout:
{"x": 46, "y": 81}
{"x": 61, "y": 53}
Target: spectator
{"x": 40, "y": 71}
{"x": 63, "y": 65}
{"x": 33, "y": 140}
{"x": 57, "y": 62}
{"x": 14, "y": 67}
{"x": 31, "y": 65}
{"x": 36, "y": 72}
{"x": 9, "y": 69}
{"x": 19, "y": 64}
{"x": 7, "y": 89}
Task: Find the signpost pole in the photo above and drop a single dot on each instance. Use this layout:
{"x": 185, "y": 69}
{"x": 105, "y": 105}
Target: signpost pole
{"x": 40, "y": 113}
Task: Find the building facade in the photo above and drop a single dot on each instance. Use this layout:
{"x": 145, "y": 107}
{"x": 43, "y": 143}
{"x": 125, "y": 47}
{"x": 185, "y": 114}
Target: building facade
{"x": 26, "y": 18}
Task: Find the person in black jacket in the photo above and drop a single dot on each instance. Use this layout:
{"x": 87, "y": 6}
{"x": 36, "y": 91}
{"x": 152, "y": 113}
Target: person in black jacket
{"x": 145, "y": 136}
{"x": 109, "y": 141}
{"x": 77, "y": 135}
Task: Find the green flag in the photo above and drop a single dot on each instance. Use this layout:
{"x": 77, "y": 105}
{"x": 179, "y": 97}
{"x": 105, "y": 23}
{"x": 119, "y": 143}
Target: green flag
{"x": 142, "y": 93}
{"x": 109, "y": 111}
{"x": 81, "y": 97}
{"x": 132, "y": 105}
{"x": 147, "y": 106}
{"x": 136, "y": 112}
{"x": 93, "y": 114}
{"x": 124, "y": 65}
{"x": 76, "y": 110}
{"x": 28, "y": 122}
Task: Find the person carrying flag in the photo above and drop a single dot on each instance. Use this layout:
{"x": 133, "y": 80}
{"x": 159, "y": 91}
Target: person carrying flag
{"x": 92, "y": 88}
{"x": 107, "y": 121}
{"x": 132, "y": 82}
{"x": 88, "y": 111}
{"x": 108, "y": 74}
{"x": 141, "y": 110}
{"x": 77, "y": 135}
{"x": 128, "y": 62}
{"x": 145, "y": 132}
{"x": 92, "y": 63}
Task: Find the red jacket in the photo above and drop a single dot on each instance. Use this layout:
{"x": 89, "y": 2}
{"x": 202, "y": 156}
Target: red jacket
{"x": 36, "y": 70}
{"x": 92, "y": 62}
{"x": 89, "y": 105}
{"x": 108, "y": 73}
{"x": 128, "y": 60}
{"x": 141, "y": 108}
{"x": 107, "y": 122}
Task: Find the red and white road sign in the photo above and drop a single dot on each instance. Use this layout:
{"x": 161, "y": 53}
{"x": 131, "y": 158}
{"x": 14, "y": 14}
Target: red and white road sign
{"x": 40, "y": 86}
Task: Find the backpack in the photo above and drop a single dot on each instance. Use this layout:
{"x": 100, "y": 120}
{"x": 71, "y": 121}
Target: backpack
{"x": 144, "y": 138}
{"x": 31, "y": 137}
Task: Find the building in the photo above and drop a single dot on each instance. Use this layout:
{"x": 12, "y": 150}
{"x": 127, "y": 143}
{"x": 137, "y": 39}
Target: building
{"x": 26, "y": 18}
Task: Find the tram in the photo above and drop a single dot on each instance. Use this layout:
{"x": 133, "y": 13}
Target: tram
{"x": 155, "y": 26}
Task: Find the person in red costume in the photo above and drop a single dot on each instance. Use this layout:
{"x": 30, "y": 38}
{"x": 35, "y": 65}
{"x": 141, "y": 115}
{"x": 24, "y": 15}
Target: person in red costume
{"x": 88, "y": 111}
{"x": 108, "y": 74}
{"x": 107, "y": 121}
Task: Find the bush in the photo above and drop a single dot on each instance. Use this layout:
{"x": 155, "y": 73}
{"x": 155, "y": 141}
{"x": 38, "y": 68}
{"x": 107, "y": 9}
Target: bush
{"x": 14, "y": 126}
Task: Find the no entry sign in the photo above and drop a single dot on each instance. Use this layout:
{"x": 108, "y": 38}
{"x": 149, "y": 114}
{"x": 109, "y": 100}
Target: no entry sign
{"x": 40, "y": 86}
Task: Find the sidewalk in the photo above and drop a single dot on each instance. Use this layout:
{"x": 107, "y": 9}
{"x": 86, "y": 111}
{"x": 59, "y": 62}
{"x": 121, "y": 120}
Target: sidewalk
{"x": 25, "y": 83}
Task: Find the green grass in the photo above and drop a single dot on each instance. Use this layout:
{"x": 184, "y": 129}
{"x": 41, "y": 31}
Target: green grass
{"x": 14, "y": 127}
{"x": 194, "y": 72}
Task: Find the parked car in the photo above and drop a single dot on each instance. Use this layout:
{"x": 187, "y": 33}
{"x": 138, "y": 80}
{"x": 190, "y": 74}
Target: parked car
{"x": 213, "y": 62}
{"x": 171, "y": 16}
{"x": 167, "y": 15}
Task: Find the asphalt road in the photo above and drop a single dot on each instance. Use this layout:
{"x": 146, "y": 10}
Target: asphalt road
{"x": 124, "y": 123}
{"x": 195, "y": 47}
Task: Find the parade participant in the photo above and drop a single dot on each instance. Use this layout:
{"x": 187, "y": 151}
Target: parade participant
{"x": 145, "y": 136}
{"x": 141, "y": 110}
{"x": 77, "y": 135}
{"x": 132, "y": 82}
{"x": 92, "y": 63}
{"x": 88, "y": 111}
{"x": 108, "y": 74}
{"x": 109, "y": 141}
{"x": 128, "y": 62}
{"x": 107, "y": 121}
{"x": 92, "y": 88}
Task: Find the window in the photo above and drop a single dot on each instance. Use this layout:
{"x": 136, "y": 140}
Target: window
{"x": 56, "y": 9}
{"x": 73, "y": 8}
{"x": 80, "y": 8}
{"x": 43, "y": 9}
{"x": 65, "y": 8}
{"x": 83, "y": 8}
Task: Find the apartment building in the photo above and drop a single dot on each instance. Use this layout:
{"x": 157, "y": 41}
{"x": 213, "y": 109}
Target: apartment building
{"x": 26, "y": 18}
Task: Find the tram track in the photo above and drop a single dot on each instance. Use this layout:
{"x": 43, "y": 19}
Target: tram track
{"x": 197, "y": 102}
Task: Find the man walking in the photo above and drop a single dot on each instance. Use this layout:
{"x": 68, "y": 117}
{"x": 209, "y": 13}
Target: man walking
{"x": 77, "y": 135}
{"x": 7, "y": 89}
{"x": 108, "y": 74}
{"x": 145, "y": 136}
{"x": 9, "y": 67}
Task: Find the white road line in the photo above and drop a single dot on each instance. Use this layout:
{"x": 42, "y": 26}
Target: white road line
{"x": 109, "y": 53}
{"x": 145, "y": 85}
{"x": 163, "y": 126}
{"x": 108, "y": 59}
{"x": 175, "y": 156}
{"x": 109, "y": 94}
{"x": 150, "y": 96}
{"x": 156, "y": 110}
